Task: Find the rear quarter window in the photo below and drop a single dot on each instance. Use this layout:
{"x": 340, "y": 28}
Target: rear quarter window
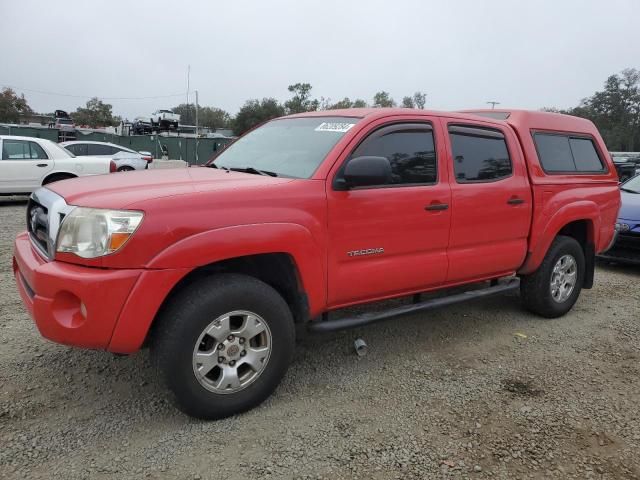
{"x": 560, "y": 153}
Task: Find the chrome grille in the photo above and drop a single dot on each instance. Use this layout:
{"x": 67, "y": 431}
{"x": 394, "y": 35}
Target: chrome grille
{"x": 45, "y": 212}
{"x": 38, "y": 225}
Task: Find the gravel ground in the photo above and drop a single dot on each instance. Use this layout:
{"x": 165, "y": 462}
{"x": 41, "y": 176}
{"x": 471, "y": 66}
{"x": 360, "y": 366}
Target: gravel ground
{"x": 482, "y": 390}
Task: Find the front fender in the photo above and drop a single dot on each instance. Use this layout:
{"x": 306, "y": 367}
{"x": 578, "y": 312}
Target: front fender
{"x": 242, "y": 240}
{"x": 539, "y": 244}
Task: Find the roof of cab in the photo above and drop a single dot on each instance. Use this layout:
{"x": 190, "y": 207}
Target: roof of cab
{"x": 372, "y": 113}
{"x": 518, "y": 119}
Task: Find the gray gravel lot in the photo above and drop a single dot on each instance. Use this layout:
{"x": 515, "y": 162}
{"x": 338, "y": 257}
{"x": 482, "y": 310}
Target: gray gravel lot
{"x": 482, "y": 390}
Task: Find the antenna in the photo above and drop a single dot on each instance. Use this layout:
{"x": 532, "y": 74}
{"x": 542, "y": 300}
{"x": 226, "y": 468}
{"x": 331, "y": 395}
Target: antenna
{"x": 493, "y": 104}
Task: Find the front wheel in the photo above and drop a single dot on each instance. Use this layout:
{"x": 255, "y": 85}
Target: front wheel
{"x": 223, "y": 345}
{"x": 552, "y": 290}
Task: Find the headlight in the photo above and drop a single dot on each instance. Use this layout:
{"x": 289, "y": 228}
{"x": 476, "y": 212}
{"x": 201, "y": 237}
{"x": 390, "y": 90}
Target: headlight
{"x": 93, "y": 232}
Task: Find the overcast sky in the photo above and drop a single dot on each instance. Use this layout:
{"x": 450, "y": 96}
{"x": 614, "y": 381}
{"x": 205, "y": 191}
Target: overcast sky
{"x": 462, "y": 53}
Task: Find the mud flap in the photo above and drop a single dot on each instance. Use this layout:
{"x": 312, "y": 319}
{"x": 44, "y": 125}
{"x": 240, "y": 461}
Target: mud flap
{"x": 589, "y": 263}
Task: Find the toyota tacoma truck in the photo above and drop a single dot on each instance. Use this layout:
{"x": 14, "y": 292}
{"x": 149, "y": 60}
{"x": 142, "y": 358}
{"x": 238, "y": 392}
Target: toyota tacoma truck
{"x": 216, "y": 268}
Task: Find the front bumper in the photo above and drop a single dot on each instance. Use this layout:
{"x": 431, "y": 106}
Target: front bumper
{"x": 70, "y": 304}
{"x": 88, "y": 307}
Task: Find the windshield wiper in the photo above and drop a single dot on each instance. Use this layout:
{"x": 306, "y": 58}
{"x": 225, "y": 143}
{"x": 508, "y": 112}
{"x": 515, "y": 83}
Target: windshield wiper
{"x": 627, "y": 190}
{"x": 266, "y": 173}
{"x": 213, "y": 165}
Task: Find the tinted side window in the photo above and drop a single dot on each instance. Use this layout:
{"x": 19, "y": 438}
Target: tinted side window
{"x": 99, "y": 149}
{"x": 479, "y": 155}
{"x": 15, "y": 150}
{"x": 79, "y": 149}
{"x": 555, "y": 153}
{"x": 410, "y": 151}
{"x": 37, "y": 153}
{"x": 585, "y": 155}
{"x": 564, "y": 154}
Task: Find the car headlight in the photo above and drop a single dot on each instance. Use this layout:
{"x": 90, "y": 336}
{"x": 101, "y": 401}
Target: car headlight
{"x": 93, "y": 232}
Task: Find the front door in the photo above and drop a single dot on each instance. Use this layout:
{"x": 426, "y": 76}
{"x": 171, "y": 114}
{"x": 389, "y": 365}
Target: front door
{"x": 391, "y": 239}
{"x": 23, "y": 165}
{"x": 490, "y": 199}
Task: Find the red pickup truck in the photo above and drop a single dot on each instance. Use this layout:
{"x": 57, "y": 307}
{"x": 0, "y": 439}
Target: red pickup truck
{"x": 213, "y": 268}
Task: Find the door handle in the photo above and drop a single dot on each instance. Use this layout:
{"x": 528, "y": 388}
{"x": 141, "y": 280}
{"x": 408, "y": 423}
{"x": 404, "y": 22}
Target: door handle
{"x": 43, "y": 165}
{"x": 515, "y": 201}
{"x": 434, "y": 207}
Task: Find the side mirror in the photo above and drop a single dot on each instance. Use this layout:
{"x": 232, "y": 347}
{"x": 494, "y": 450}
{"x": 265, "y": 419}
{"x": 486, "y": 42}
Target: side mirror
{"x": 363, "y": 172}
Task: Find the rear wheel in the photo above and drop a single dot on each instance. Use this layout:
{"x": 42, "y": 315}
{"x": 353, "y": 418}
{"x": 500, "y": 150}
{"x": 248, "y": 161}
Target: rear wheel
{"x": 126, "y": 168}
{"x": 552, "y": 290}
{"x": 223, "y": 345}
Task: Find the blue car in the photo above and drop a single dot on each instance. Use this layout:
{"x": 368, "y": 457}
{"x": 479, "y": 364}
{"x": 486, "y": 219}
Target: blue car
{"x": 627, "y": 245}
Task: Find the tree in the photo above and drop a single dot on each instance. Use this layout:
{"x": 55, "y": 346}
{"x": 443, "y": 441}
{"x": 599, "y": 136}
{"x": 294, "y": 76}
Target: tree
{"x": 301, "y": 100}
{"x": 213, "y": 117}
{"x": 95, "y": 114}
{"x": 209, "y": 117}
{"x": 407, "y": 102}
{"x": 187, "y": 112}
{"x": 254, "y": 112}
{"x": 615, "y": 110}
{"x": 12, "y": 106}
{"x": 420, "y": 100}
{"x": 383, "y": 99}
{"x": 347, "y": 103}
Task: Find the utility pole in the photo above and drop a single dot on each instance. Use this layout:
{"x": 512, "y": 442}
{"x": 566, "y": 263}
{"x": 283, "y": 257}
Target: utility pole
{"x": 188, "y": 79}
{"x": 196, "y": 127}
{"x": 493, "y": 104}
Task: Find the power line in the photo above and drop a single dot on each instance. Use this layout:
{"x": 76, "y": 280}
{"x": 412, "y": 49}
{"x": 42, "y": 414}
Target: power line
{"x": 91, "y": 96}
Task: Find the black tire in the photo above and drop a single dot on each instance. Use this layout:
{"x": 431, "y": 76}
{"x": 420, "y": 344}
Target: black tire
{"x": 535, "y": 289}
{"x": 57, "y": 177}
{"x": 181, "y": 323}
{"x": 126, "y": 168}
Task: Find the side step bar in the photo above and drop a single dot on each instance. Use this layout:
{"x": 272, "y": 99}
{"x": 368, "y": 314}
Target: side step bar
{"x": 512, "y": 283}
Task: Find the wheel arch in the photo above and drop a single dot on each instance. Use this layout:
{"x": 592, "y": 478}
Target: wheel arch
{"x": 63, "y": 174}
{"x": 577, "y": 220}
{"x": 284, "y": 256}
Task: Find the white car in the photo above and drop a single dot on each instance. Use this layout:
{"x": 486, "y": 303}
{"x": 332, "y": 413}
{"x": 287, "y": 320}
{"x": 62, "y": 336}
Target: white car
{"x": 27, "y": 163}
{"x": 165, "y": 119}
{"x": 126, "y": 159}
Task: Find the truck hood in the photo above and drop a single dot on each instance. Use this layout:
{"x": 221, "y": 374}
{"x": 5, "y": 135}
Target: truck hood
{"x": 122, "y": 190}
{"x": 630, "y": 208}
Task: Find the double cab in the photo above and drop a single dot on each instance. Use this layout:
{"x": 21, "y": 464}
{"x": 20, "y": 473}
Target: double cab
{"x": 215, "y": 268}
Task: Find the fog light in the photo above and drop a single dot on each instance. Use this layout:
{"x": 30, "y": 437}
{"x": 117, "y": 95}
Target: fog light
{"x": 622, "y": 227}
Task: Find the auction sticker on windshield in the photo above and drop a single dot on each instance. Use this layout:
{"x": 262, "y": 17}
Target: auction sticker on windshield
{"x": 334, "y": 127}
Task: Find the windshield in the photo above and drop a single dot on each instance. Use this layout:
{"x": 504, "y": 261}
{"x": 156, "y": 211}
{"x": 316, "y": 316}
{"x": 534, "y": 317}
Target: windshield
{"x": 66, "y": 121}
{"x": 291, "y": 147}
{"x": 632, "y": 185}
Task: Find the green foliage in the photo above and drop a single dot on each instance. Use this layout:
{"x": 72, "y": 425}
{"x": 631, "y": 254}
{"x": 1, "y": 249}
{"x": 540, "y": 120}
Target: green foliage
{"x": 346, "y": 103}
{"x": 407, "y": 102}
{"x": 383, "y": 99}
{"x": 12, "y": 106}
{"x": 420, "y": 100}
{"x": 254, "y": 112}
{"x": 615, "y": 110}
{"x": 301, "y": 100}
{"x": 95, "y": 114}
{"x": 210, "y": 117}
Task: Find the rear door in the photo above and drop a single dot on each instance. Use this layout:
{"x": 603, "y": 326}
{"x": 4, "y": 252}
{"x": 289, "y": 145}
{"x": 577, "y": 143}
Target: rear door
{"x": 23, "y": 165}
{"x": 390, "y": 239}
{"x": 490, "y": 198}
